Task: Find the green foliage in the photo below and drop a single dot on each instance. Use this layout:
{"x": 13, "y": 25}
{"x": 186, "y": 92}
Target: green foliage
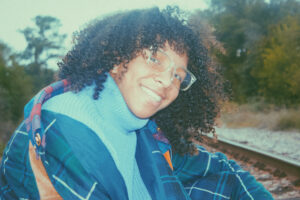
{"x": 15, "y": 91}
{"x": 18, "y": 83}
{"x": 237, "y": 28}
{"x": 15, "y": 86}
{"x": 41, "y": 77}
{"x": 20, "y": 90}
{"x": 279, "y": 76}
{"x": 260, "y": 47}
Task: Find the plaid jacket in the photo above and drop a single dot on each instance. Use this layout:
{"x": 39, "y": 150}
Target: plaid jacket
{"x": 78, "y": 171}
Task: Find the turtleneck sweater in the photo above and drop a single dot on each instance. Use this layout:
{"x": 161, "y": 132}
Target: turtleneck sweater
{"x": 111, "y": 119}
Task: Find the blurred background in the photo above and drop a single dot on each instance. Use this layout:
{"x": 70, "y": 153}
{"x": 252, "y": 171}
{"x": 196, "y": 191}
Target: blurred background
{"x": 254, "y": 43}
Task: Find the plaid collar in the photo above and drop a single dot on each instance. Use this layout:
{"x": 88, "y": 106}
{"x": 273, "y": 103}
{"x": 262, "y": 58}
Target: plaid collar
{"x": 32, "y": 112}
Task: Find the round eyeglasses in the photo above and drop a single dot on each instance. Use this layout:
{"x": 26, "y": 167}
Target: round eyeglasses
{"x": 160, "y": 62}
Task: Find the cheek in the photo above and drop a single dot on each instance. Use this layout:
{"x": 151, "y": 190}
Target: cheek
{"x": 172, "y": 95}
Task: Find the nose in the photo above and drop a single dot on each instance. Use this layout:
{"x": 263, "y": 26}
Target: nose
{"x": 165, "y": 78}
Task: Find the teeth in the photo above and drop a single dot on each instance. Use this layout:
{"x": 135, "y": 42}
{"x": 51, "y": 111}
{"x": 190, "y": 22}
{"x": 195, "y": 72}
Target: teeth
{"x": 152, "y": 94}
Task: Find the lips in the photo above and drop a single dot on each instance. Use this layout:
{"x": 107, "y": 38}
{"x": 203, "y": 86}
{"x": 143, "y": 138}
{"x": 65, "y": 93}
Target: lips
{"x": 157, "y": 98}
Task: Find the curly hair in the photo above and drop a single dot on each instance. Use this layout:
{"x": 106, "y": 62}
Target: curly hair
{"x": 119, "y": 38}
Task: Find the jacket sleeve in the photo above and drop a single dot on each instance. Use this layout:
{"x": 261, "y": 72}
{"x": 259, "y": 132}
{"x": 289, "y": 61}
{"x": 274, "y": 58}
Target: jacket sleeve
{"x": 211, "y": 174}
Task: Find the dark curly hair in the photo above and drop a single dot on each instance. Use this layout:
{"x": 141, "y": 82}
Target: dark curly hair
{"x": 119, "y": 38}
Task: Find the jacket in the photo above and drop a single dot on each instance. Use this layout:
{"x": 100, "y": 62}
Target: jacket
{"x": 77, "y": 172}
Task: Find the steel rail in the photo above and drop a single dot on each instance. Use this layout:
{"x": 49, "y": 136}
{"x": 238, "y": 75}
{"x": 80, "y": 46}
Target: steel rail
{"x": 278, "y": 165}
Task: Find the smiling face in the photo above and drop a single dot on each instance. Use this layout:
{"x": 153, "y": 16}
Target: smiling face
{"x": 144, "y": 90}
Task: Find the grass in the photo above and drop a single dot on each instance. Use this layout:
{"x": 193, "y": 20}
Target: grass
{"x": 289, "y": 121}
{"x": 261, "y": 116}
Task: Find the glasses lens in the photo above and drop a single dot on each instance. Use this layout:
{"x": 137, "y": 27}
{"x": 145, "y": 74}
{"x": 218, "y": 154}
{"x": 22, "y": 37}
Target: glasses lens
{"x": 161, "y": 62}
{"x": 187, "y": 81}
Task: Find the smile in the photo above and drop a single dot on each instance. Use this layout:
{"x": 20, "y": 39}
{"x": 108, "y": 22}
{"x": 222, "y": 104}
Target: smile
{"x": 152, "y": 94}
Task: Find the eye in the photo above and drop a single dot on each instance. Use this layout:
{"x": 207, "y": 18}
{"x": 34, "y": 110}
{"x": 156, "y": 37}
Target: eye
{"x": 180, "y": 74}
{"x": 154, "y": 60}
{"x": 178, "y": 77}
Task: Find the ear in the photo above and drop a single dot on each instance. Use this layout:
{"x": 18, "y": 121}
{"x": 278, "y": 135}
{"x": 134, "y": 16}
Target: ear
{"x": 115, "y": 69}
{"x": 114, "y": 72}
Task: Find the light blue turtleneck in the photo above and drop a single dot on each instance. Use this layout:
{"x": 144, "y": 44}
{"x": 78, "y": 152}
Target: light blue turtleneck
{"x": 110, "y": 118}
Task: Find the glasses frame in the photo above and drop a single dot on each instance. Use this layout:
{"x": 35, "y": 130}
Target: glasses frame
{"x": 172, "y": 65}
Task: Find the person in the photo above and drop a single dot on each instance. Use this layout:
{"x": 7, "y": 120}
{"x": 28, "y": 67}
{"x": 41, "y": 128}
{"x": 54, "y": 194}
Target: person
{"x": 135, "y": 92}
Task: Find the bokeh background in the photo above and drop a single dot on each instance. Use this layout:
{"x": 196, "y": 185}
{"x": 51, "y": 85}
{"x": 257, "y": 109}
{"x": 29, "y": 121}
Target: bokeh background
{"x": 255, "y": 44}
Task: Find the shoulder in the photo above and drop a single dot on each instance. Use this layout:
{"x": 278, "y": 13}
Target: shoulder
{"x": 60, "y": 128}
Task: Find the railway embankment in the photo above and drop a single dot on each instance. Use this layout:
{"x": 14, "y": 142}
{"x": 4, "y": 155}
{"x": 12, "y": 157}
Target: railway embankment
{"x": 273, "y": 157}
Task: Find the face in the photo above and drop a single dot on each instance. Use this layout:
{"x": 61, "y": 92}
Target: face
{"x": 144, "y": 90}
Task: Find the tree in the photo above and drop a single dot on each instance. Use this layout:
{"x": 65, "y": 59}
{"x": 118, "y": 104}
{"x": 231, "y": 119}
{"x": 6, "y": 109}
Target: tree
{"x": 4, "y": 105}
{"x": 15, "y": 91}
{"x": 243, "y": 29}
{"x": 237, "y": 26}
{"x": 279, "y": 76}
{"x": 44, "y": 42}
{"x": 15, "y": 86}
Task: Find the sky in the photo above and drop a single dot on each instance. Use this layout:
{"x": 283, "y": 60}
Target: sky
{"x": 17, "y": 14}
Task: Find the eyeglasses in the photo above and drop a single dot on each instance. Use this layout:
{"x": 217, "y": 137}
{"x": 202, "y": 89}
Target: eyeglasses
{"x": 160, "y": 62}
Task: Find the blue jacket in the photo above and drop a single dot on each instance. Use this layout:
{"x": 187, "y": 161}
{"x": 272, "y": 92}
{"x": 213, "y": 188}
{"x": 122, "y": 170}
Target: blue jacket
{"x": 80, "y": 166}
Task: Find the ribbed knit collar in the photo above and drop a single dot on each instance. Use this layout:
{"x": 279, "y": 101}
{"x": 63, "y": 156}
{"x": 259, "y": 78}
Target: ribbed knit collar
{"x": 113, "y": 109}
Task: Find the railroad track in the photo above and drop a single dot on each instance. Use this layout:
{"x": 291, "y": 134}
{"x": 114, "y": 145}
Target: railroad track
{"x": 280, "y": 175}
{"x": 278, "y": 165}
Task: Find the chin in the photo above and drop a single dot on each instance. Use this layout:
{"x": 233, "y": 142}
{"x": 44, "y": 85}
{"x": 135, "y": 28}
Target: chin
{"x": 143, "y": 114}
